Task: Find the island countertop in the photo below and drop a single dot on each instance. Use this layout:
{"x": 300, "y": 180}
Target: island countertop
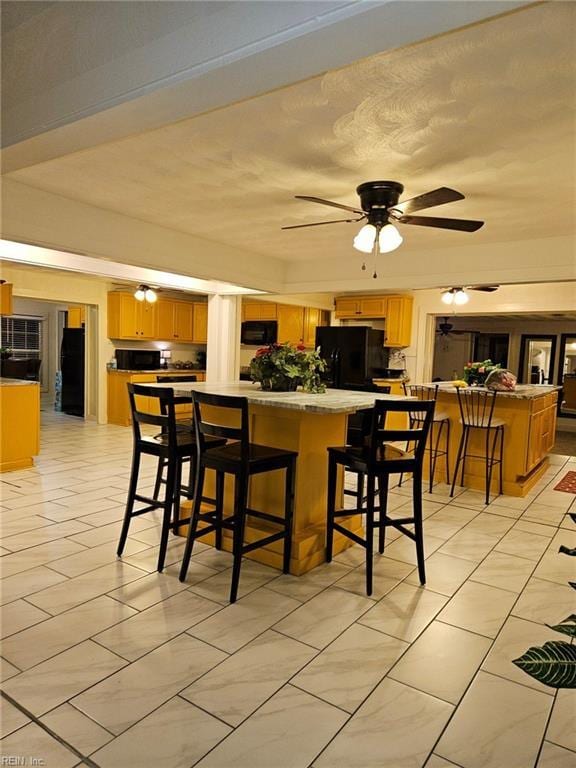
{"x": 4, "y": 382}
{"x": 522, "y": 391}
{"x": 330, "y": 402}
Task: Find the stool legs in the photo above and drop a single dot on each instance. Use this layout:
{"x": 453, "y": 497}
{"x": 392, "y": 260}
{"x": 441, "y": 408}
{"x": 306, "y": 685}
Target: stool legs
{"x": 383, "y": 498}
{"x": 240, "y": 497}
{"x": 169, "y": 503}
{"x": 493, "y": 434}
{"x": 418, "y": 530}
{"x": 289, "y": 493}
{"x": 369, "y": 534}
{"x": 129, "y": 501}
{"x": 461, "y": 444}
{"x": 331, "y": 507}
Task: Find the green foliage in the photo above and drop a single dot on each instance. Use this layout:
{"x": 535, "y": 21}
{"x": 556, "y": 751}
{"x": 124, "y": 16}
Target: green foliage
{"x": 567, "y": 627}
{"x": 282, "y": 367}
{"x": 476, "y": 373}
{"x": 554, "y": 664}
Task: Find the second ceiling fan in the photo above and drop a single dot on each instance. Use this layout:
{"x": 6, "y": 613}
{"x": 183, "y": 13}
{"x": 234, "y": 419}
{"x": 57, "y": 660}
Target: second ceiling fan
{"x": 380, "y": 206}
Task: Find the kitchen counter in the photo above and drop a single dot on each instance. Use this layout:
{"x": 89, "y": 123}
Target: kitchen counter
{"x": 19, "y": 423}
{"x": 160, "y": 371}
{"x": 522, "y": 391}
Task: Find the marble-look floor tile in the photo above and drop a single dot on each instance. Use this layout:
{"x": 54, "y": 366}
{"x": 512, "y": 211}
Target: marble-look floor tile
{"x": 76, "y": 729}
{"x": 444, "y": 574}
{"x": 561, "y": 728}
{"x": 39, "y": 555}
{"x": 442, "y": 661}
{"x": 387, "y": 573}
{"x": 498, "y": 723}
{"x": 479, "y": 608}
{"x": 404, "y": 549}
{"x": 324, "y": 617}
{"x": 438, "y": 762}
{"x": 19, "y": 615}
{"x": 7, "y": 670}
{"x": 34, "y": 742}
{"x": 541, "y": 530}
{"x": 129, "y": 695}
{"x": 554, "y": 566}
{"x": 43, "y": 535}
{"x": 176, "y": 735}
{"x": 53, "y": 682}
{"x": 25, "y": 584}
{"x": 492, "y": 524}
{"x": 540, "y": 513}
{"x": 470, "y": 545}
{"x": 553, "y": 756}
{"x": 523, "y": 544}
{"x": 404, "y": 612}
{"x": 311, "y": 583}
{"x": 72, "y": 592}
{"x": 240, "y": 684}
{"x": 11, "y": 718}
{"x": 545, "y": 602}
{"x": 238, "y": 624}
{"x": 514, "y": 640}
{"x": 56, "y": 634}
{"x": 347, "y": 670}
{"x": 289, "y": 730}
{"x": 154, "y": 626}
{"x": 392, "y": 709}
{"x": 217, "y": 587}
{"x": 90, "y": 559}
{"x": 504, "y": 570}
{"x": 154, "y": 587}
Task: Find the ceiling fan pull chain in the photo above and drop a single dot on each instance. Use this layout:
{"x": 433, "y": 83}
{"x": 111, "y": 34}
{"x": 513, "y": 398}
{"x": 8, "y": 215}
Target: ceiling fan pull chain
{"x": 375, "y": 252}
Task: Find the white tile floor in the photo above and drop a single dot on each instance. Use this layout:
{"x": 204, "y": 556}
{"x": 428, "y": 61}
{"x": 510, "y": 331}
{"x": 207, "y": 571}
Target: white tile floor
{"x": 107, "y": 663}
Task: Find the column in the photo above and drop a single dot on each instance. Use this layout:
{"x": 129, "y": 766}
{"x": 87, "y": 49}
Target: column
{"x": 223, "y": 348}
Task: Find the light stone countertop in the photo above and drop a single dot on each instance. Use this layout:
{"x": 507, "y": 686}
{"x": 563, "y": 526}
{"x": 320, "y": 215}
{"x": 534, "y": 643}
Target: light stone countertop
{"x": 329, "y": 402}
{"x": 160, "y": 371}
{"x": 522, "y": 391}
{"x": 16, "y": 382}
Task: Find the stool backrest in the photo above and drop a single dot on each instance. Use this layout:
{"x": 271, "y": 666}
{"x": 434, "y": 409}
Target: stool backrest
{"x": 359, "y": 423}
{"x": 419, "y": 413}
{"x": 165, "y": 419}
{"x": 419, "y": 391}
{"x": 208, "y": 424}
{"x": 476, "y": 406}
{"x": 178, "y": 399}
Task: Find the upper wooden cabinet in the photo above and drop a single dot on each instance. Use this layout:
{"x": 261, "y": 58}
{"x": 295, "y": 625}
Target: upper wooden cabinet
{"x": 76, "y": 317}
{"x": 259, "y": 310}
{"x": 165, "y": 320}
{"x": 396, "y": 310}
{"x": 312, "y": 319}
{"x": 290, "y": 323}
{"x": 5, "y": 298}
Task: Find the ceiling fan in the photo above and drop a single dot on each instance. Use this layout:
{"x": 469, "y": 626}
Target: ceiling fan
{"x": 447, "y": 329}
{"x": 379, "y": 206}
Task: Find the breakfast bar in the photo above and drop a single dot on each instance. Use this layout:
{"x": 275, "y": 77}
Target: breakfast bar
{"x": 302, "y": 422}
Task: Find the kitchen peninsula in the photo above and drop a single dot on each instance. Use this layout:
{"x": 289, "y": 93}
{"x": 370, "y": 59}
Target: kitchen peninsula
{"x": 19, "y": 423}
{"x": 302, "y": 422}
{"x": 529, "y": 413}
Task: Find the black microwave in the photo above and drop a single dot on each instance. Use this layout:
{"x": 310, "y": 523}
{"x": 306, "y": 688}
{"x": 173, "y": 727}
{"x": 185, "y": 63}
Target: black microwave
{"x": 258, "y": 332}
{"x": 138, "y": 359}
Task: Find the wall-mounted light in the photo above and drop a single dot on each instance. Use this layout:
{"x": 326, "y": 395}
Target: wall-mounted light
{"x": 455, "y": 296}
{"x": 145, "y": 293}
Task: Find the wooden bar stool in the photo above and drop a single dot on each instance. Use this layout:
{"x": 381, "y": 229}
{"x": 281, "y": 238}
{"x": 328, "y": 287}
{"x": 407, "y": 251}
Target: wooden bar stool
{"x": 242, "y": 459}
{"x": 377, "y": 460}
{"x": 477, "y": 413}
{"x": 440, "y": 421}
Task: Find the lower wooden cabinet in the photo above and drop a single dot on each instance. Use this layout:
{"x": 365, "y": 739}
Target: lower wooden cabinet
{"x": 542, "y": 430}
{"x": 118, "y": 402}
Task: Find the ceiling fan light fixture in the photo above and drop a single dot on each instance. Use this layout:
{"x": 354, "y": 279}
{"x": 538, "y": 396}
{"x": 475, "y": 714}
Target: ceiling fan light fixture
{"x": 150, "y": 296}
{"x": 140, "y": 293}
{"x": 145, "y": 293}
{"x": 389, "y": 238}
{"x": 365, "y": 239}
{"x": 460, "y": 296}
{"x": 448, "y": 296}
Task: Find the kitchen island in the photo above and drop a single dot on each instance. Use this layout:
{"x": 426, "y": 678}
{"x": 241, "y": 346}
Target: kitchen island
{"x": 297, "y": 421}
{"x": 529, "y": 414}
{"x": 19, "y": 423}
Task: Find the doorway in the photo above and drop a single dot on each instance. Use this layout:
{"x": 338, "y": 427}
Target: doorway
{"x": 492, "y": 346}
{"x": 567, "y": 375}
{"x": 537, "y": 359}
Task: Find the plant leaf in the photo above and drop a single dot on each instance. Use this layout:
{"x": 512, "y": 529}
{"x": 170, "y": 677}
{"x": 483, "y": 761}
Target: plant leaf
{"x": 554, "y": 664}
{"x": 572, "y": 584}
{"x": 565, "y": 551}
{"x": 567, "y": 626}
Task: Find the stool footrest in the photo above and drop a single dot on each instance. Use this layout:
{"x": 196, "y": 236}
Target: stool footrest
{"x": 263, "y": 542}
{"x": 265, "y": 516}
{"x": 349, "y": 534}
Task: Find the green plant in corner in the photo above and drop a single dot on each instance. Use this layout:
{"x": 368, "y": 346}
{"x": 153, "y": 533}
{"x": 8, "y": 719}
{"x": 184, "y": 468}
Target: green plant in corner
{"x": 554, "y": 664}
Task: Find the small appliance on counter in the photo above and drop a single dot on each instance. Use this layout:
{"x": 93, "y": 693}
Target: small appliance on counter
{"x": 138, "y": 359}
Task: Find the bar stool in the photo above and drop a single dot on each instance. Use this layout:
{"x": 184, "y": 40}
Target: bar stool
{"x": 440, "y": 421}
{"x": 377, "y": 460}
{"x": 357, "y": 433}
{"x": 171, "y": 446}
{"x": 242, "y": 459}
{"x": 477, "y": 412}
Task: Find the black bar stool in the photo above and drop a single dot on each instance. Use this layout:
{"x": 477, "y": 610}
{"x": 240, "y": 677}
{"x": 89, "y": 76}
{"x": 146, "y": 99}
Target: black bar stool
{"x": 171, "y": 446}
{"x": 440, "y": 421}
{"x": 242, "y": 459}
{"x": 477, "y": 412}
{"x": 183, "y": 423}
{"x": 357, "y": 432}
{"x": 377, "y": 460}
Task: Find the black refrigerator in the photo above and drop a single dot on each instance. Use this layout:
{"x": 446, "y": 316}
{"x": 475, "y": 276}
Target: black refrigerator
{"x": 354, "y": 354}
{"x": 72, "y": 367}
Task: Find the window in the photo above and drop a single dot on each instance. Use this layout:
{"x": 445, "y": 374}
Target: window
{"x": 23, "y": 335}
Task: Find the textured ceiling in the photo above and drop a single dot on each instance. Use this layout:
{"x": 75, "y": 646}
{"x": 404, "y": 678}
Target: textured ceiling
{"x": 488, "y": 110}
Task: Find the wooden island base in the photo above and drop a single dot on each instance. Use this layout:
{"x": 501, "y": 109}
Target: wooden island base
{"x": 19, "y": 423}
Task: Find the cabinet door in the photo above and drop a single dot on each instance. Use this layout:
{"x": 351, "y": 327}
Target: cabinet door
{"x": 399, "y": 321}
{"x": 290, "y": 324}
{"x": 259, "y": 310}
{"x": 129, "y": 317}
{"x": 75, "y": 317}
{"x": 347, "y": 307}
{"x": 200, "y": 323}
{"x": 146, "y": 320}
{"x": 6, "y": 299}
{"x": 183, "y": 320}
{"x": 373, "y": 307}
{"x": 164, "y": 319}
{"x": 313, "y": 318}
{"x": 535, "y": 440}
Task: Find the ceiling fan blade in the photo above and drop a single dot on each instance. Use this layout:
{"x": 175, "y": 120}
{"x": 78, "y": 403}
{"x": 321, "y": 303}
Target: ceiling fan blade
{"x": 320, "y": 223}
{"x": 485, "y": 288}
{"x": 429, "y": 200}
{"x": 329, "y": 202}
{"x": 464, "y": 225}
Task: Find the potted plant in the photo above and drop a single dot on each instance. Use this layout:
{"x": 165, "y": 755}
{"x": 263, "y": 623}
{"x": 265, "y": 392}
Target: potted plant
{"x": 475, "y": 374}
{"x": 5, "y": 353}
{"x": 283, "y": 367}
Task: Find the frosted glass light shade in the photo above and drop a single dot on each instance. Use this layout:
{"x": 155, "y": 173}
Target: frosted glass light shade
{"x": 364, "y": 240}
{"x": 140, "y": 294}
{"x": 460, "y": 297}
{"x": 389, "y": 238}
{"x": 150, "y": 295}
{"x": 448, "y": 297}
